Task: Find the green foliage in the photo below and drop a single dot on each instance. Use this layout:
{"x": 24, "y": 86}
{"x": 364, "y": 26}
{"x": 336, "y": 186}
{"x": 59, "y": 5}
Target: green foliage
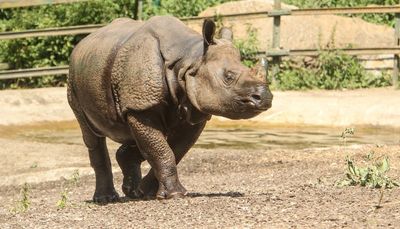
{"x": 68, "y": 185}
{"x": 293, "y": 77}
{"x": 47, "y": 51}
{"x": 53, "y": 51}
{"x": 373, "y": 175}
{"x": 75, "y": 178}
{"x": 387, "y": 19}
{"x": 248, "y": 47}
{"x": 179, "y": 8}
{"x": 330, "y": 70}
{"x": 62, "y": 203}
{"x": 23, "y": 204}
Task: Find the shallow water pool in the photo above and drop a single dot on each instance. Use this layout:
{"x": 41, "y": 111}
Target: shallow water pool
{"x": 228, "y": 134}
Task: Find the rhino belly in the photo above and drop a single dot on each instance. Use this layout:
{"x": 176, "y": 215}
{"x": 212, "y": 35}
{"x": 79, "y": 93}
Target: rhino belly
{"x": 117, "y": 131}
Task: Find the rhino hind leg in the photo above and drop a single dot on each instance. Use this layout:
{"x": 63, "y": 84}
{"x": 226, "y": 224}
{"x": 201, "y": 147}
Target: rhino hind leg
{"x": 129, "y": 160}
{"x": 98, "y": 155}
{"x": 100, "y": 161}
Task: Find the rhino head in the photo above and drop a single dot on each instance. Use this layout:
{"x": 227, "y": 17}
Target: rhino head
{"x": 219, "y": 84}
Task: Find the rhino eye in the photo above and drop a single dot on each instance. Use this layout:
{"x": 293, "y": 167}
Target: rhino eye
{"x": 229, "y": 77}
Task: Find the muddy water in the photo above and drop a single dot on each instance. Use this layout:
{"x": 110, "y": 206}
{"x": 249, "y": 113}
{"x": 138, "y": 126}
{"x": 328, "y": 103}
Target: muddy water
{"x": 239, "y": 135}
{"x": 25, "y": 155}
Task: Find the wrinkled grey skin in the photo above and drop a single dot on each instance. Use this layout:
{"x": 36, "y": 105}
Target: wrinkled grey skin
{"x": 152, "y": 86}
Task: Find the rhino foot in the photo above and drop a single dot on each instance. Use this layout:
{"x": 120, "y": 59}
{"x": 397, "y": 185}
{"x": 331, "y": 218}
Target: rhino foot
{"x": 101, "y": 198}
{"x": 131, "y": 192}
{"x": 148, "y": 187}
{"x": 176, "y": 191}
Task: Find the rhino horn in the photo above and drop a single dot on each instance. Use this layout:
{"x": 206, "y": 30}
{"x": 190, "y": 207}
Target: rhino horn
{"x": 208, "y": 33}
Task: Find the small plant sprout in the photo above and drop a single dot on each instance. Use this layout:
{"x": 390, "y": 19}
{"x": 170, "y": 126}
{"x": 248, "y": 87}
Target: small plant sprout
{"x": 75, "y": 177}
{"x": 373, "y": 175}
{"x": 346, "y": 133}
{"x": 62, "y": 203}
{"x": 23, "y": 204}
{"x": 68, "y": 185}
{"x": 380, "y": 198}
{"x": 34, "y": 165}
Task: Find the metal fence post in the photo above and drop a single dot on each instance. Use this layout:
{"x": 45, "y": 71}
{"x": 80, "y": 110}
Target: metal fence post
{"x": 276, "y": 33}
{"x": 396, "y": 64}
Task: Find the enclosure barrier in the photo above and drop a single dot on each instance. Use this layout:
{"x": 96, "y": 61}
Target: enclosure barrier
{"x": 4, "y": 4}
{"x": 276, "y": 52}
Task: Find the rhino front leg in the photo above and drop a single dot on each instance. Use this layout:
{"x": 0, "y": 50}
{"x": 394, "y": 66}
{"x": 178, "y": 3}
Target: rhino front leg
{"x": 180, "y": 142}
{"x": 152, "y": 143}
{"x": 129, "y": 160}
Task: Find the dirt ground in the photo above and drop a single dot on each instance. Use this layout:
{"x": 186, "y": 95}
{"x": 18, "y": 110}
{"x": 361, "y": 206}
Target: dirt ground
{"x": 236, "y": 188}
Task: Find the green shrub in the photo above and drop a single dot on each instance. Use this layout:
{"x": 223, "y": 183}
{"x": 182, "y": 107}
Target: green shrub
{"x": 47, "y": 51}
{"x": 330, "y": 70}
{"x": 179, "y": 8}
{"x": 248, "y": 47}
{"x": 293, "y": 77}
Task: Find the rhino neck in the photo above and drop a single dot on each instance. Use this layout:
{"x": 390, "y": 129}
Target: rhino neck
{"x": 176, "y": 80}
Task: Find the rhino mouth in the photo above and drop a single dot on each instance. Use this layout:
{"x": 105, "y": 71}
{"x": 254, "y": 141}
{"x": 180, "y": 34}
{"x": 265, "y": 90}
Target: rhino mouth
{"x": 244, "y": 108}
{"x": 254, "y": 104}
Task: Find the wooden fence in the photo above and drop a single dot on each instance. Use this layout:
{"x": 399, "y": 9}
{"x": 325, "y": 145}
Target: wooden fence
{"x": 276, "y": 52}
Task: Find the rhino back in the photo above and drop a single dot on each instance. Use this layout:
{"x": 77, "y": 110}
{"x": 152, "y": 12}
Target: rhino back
{"x": 138, "y": 72}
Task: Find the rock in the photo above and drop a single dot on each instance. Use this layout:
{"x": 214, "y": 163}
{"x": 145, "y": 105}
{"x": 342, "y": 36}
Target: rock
{"x": 301, "y": 32}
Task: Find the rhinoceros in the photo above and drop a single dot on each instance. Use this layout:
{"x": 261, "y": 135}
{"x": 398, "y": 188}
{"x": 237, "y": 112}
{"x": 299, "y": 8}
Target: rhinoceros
{"x": 152, "y": 86}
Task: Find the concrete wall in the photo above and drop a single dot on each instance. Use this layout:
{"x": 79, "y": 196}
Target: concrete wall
{"x": 330, "y": 108}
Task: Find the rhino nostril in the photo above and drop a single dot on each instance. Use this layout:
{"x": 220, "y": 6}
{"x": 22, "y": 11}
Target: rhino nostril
{"x": 256, "y": 97}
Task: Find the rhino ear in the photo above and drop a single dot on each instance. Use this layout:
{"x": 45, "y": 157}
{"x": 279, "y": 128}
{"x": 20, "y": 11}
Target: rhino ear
{"x": 226, "y": 33}
{"x": 208, "y": 33}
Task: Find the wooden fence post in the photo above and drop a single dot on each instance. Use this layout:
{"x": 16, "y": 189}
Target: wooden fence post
{"x": 396, "y": 64}
{"x": 138, "y": 10}
{"x": 276, "y": 34}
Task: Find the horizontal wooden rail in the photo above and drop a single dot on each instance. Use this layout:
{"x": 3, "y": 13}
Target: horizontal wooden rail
{"x": 4, "y": 4}
{"x": 351, "y": 10}
{"x": 348, "y": 51}
{"x": 34, "y": 72}
{"x": 298, "y": 12}
{"x": 63, "y": 70}
{"x": 71, "y": 30}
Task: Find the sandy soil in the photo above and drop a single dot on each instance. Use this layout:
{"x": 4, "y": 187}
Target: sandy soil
{"x": 227, "y": 188}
